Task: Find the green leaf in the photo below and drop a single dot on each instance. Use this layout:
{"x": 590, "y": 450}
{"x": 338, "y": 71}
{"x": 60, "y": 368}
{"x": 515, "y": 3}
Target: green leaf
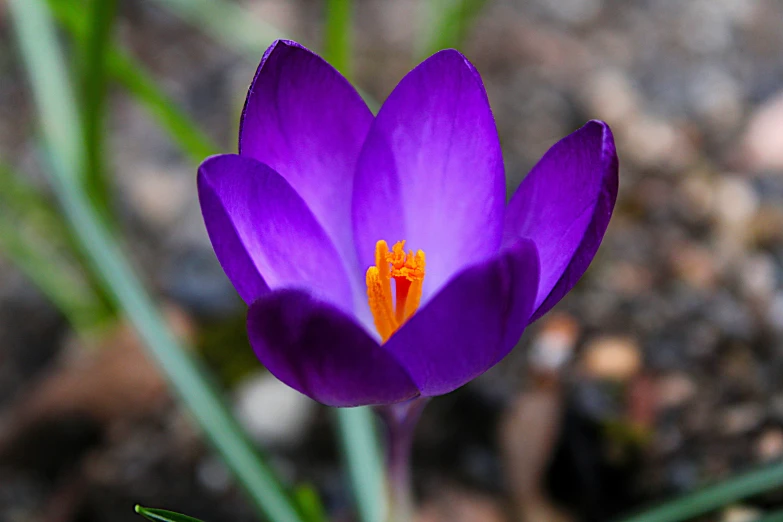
{"x": 714, "y": 497}
{"x": 362, "y": 453}
{"x": 161, "y": 515}
{"x": 338, "y": 38}
{"x": 35, "y": 35}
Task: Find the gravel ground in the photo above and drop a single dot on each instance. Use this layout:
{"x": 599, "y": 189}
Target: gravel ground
{"x": 660, "y": 372}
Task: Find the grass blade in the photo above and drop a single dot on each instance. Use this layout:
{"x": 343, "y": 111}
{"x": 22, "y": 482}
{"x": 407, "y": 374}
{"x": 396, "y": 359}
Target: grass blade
{"x": 94, "y": 86}
{"x": 35, "y": 34}
{"x": 714, "y": 497}
{"x": 448, "y": 23}
{"x": 161, "y": 515}
{"x": 338, "y": 40}
{"x": 362, "y": 454}
{"x": 60, "y": 121}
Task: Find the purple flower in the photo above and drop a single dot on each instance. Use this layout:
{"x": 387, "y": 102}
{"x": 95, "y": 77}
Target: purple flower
{"x": 301, "y": 217}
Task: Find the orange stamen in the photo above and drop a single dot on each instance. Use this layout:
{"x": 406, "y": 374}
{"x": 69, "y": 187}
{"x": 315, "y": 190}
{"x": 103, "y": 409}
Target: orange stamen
{"x": 408, "y": 274}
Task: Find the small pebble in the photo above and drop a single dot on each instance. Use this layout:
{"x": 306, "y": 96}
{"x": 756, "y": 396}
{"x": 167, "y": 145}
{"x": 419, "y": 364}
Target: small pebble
{"x": 212, "y": 473}
{"x": 769, "y": 445}
{"x": 758, "y": 277}
{"x": 612, "y": 358}
{"x": 574, "y": 11}
{"x": 675, "y": 390}
{"x": 775, "y": 313}
{"x": 735, "y": 201}
{"x": 740, "y": 514}
{"x": 741, "y": 419}
{"x": 554, "y": 344}
{"x": 160, "y": 195}
{"x": 695, "y": 265}
{"x": 611, "y": 95}
{"x": 763, "y": 142}
{"x": 272, "y": 412}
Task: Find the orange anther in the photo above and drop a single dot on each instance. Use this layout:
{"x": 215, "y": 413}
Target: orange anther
{"x": 408, "y": 274}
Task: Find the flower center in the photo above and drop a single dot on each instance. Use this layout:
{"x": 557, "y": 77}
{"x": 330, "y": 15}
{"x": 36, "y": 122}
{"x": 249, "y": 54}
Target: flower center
{"x": 408, "y": 274}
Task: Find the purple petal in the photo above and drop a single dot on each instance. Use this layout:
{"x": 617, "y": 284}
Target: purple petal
{"x": 564, "y": 206}
{"x": 431, "y": 171}
{"x": 263, "y": 233}
{"x": 321, "y": 352}
{"x": 307, "y": 122}
{"x": 472, "y": 323}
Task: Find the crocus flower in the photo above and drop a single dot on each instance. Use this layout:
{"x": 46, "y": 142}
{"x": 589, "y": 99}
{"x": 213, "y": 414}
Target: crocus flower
{"x": 310, "y": 222}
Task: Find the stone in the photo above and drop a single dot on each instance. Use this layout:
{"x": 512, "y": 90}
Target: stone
{"x": 769, "y": 445}
{"x": 612, "y": 358}
{"x": 758, "y": 276}
{"x": 740, "y": 419}
{"x": 775, "y": 313}
{"x": 694, "y": 264}
{"x": 717, "y": 96}
{"x": 273, "y": 413}
{"x": 735, "y": 201}
{"x": 697, "y": 192}
{"x": 611, "y": 95}
{"x": 574, "y": 11}
{"x": 740, "y": 514}
{"x": 628, "y": 279}
{"x": 762, "y": 143}
{"x": 459, "y": 505}
{"x": 554, "y": 344}
{"x": 674, "y": 390}
{"x": 213, "y": 474}
{"x": 159, "y": 195}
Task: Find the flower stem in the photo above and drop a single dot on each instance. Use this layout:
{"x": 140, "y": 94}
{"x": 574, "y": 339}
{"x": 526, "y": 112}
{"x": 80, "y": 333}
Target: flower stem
{"x": 400, "y": 421}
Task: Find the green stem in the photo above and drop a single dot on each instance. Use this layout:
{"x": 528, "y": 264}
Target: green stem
{"x": 362, "y": 455}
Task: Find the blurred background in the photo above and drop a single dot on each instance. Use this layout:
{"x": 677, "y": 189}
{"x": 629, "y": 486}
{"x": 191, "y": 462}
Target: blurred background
{"x": 661, "y": 372}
